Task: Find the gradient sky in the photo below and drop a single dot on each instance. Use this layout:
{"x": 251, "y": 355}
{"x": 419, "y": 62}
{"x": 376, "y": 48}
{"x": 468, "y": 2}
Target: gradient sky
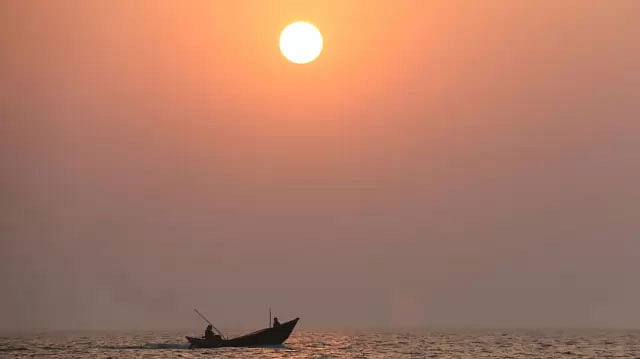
{"x": 441, "y": 164}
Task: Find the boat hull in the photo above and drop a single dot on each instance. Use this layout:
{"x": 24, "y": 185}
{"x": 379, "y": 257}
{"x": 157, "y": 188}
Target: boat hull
{"x": 268, "y": 336}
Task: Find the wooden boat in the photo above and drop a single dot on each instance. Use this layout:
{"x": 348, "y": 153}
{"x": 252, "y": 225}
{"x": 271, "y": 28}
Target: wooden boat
{"x": 268, "y": 336}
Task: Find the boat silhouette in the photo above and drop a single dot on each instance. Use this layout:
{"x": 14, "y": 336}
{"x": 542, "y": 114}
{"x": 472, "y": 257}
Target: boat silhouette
{"x": 275, "y": 335}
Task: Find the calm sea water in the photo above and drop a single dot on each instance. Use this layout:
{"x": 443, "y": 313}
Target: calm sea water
{"x": 330, "y": 344}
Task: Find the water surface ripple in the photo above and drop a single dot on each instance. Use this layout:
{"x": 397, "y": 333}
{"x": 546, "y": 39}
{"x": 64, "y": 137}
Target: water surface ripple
{"x": 337, "y": 344}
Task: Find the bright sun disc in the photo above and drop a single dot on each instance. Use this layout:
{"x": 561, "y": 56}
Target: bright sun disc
{"x": 301, "y": 42}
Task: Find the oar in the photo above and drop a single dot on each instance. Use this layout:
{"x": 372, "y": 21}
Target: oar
{"x": 207, "y": 320}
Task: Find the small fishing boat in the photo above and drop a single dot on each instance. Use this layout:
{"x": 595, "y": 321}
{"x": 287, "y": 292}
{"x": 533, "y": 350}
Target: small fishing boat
{"x": 269, "y": 336}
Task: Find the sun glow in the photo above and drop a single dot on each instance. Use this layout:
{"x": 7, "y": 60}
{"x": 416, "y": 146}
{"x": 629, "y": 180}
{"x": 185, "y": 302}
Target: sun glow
{"x": 301, "y": 42}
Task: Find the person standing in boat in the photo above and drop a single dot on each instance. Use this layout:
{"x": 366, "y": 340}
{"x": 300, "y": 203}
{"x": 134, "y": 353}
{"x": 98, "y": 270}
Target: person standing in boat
{"x": 276, "y": 323}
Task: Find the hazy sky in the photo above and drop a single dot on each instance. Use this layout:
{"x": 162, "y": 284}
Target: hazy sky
{"x": 442, "y": 163}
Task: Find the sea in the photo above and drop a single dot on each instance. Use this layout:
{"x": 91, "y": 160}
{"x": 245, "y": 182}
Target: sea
{"x": 335, "y": 344}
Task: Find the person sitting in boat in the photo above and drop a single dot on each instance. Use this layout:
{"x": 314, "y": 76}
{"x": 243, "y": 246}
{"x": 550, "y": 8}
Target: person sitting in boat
{"x": 276, "y": 323}
{"x": 208, "y": 333}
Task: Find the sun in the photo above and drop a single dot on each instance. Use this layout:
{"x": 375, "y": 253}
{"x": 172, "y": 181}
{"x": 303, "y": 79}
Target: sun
{"x": 301, "y": 42}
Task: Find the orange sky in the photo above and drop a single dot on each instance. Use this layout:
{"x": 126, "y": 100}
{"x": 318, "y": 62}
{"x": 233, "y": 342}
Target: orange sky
{"x": 467, "y": 158}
